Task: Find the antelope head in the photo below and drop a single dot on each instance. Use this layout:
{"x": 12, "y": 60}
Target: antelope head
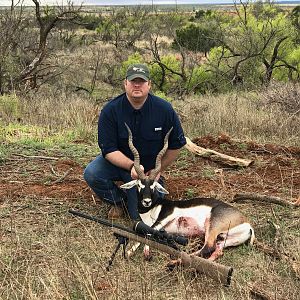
{"x": 147, "y": 185}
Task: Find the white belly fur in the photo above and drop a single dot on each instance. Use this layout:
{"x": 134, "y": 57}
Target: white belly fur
{"x": 198, "y": 214}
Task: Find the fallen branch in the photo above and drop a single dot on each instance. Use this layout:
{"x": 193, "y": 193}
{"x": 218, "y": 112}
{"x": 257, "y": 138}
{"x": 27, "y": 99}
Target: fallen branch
{"x": 264, "y": 198}
{"x": 37, "y": 156}
{"x": 217, "y": 156}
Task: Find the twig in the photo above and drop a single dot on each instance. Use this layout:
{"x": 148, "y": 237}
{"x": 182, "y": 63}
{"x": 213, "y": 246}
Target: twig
{"x": 264, "y": 198}
{"x": 277, "y": 237}
{"x": 221, "y": 176}
{"x": 267, "y": 249}
{"x": 94, "y": 200}
{"x": 53, "y": 171}
{"x": 36, "y": 156}
{"x": 61, "y": 179}
{"x": 276, "y": 253}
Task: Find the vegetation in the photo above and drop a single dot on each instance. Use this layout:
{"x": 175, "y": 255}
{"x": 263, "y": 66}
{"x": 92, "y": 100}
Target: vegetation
{"x": 228, "y": 72}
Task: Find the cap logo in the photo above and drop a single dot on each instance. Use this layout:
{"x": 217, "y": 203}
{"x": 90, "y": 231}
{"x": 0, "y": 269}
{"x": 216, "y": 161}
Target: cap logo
{"x": 138, "y": 70}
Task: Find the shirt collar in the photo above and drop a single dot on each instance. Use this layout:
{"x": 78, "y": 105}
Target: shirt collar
{"x": 142, "y": 110}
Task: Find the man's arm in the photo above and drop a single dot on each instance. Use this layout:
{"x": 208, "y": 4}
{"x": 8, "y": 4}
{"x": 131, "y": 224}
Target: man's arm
{"x": 120, "y": 160}
{"x": 169, "y": 157}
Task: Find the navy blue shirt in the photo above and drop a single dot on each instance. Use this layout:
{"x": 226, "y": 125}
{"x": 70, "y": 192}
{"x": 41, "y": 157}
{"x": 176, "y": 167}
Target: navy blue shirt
{"x": 148, "y": 124}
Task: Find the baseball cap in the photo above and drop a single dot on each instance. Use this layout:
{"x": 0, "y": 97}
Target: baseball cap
{"x": 137, "y": 71}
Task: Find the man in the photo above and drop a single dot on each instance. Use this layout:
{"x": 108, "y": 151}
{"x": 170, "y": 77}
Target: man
{"x": 149, "y": 118}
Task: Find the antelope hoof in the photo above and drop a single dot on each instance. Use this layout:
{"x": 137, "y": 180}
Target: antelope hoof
{"x": 206, "y": 252}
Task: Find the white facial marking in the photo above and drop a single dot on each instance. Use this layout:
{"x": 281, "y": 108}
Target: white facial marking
{"x": 147, "y": 202}
{"x": 152, "y": 186}
{"x": 141, "y": 185}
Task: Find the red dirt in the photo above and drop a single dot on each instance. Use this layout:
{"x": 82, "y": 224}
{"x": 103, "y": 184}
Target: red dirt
{"x": 275, "y": 172}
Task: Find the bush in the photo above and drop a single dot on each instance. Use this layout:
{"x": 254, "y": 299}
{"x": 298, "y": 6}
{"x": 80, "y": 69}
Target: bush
{"x": 197, "y": 38}
{"x": 286, "y": 96}
{"x": 199, "y": 81}
{"x": 90, "y": 22}
{"x": 166, "y": 81}
{"x": 135, "y": 58}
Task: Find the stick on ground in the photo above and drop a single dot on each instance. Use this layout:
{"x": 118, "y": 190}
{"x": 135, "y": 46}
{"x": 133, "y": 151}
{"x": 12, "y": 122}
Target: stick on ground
{"x": 217, "y": 156}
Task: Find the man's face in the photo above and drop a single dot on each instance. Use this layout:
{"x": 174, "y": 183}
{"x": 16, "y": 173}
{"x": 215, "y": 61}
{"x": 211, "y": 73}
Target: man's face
{"x": 137, "y": 89}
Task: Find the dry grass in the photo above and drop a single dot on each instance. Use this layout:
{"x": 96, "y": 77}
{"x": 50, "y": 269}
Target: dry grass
{"x": 240, "y": 116}
{"x": 244, "y": 116}
{"x": 48, "y": 254}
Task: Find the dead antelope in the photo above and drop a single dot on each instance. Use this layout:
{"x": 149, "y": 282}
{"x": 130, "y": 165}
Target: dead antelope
{"x": 220, "y": 224}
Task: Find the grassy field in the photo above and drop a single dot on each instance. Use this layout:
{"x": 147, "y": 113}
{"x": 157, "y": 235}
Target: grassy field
{"x": 46, "y": 253}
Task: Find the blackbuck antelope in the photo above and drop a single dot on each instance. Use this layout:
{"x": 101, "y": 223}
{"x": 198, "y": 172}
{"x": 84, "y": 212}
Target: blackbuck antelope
{"x": 220, "y": 224}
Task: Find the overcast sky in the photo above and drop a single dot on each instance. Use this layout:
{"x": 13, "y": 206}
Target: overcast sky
{"x": 117, "y": 2}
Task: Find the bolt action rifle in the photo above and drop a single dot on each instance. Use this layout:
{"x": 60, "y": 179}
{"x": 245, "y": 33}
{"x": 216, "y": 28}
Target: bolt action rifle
{"x": 164, "y": 242}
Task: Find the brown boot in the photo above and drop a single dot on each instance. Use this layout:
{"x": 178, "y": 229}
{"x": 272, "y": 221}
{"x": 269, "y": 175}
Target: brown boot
{"x": 115, "y": 212}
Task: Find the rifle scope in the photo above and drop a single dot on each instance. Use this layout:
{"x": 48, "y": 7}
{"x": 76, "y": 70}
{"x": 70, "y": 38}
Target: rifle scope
{"x": 143, "y": 229}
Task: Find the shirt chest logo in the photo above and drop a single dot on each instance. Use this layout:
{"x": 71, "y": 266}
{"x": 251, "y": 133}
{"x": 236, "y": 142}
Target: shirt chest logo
{"x": 157, "y": 129}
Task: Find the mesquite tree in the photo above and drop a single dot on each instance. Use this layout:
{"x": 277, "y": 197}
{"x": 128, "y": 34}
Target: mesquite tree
{"x": 23, "y": 43}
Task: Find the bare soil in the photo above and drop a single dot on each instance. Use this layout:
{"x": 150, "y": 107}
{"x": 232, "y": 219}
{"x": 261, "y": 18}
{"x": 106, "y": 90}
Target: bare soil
{"x": 275, "y": 172}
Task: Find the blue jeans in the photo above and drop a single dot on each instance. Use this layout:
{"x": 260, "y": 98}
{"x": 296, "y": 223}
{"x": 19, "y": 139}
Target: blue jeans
{"x": 100, "y": 175}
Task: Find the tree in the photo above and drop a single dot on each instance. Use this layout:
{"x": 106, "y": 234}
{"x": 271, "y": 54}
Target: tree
{"x": 23, "y": 43}
{"x": 196, "y": 37}
{"x": 252, "y": 48}
{"x": 123, "y": 28}
{"x": 295, "y": 17}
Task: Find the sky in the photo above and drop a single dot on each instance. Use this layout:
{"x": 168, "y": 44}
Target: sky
{"x": 119, "y": 2}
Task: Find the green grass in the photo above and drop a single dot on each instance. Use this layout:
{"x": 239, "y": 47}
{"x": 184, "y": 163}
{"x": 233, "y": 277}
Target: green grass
{"x": 30, "y": 140}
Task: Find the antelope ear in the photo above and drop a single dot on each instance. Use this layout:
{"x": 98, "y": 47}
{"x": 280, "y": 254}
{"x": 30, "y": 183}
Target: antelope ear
{"x": 160, "y": 188}
{"x": 129, "y": 185}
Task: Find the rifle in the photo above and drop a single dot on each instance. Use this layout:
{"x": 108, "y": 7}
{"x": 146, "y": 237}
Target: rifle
{"x": 164, "y": 242}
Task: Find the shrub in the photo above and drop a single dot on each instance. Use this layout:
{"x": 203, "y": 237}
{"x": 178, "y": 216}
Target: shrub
{"x": 197, "y": 38}
{"x": 286, "y": 96}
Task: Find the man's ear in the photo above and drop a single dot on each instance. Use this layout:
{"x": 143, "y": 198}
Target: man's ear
{"x": 129, "y": 185}
{"x": 160, "y": 188}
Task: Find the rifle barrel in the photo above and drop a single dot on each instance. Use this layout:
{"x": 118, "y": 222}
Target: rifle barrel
{"x": 98, "y": 220}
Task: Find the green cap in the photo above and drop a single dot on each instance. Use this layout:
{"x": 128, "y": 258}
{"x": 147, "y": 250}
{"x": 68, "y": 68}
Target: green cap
{"x": 137, "y": 71}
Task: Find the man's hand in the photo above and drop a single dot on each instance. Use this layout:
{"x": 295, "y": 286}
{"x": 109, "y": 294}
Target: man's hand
{"x": 133, "y": 172}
